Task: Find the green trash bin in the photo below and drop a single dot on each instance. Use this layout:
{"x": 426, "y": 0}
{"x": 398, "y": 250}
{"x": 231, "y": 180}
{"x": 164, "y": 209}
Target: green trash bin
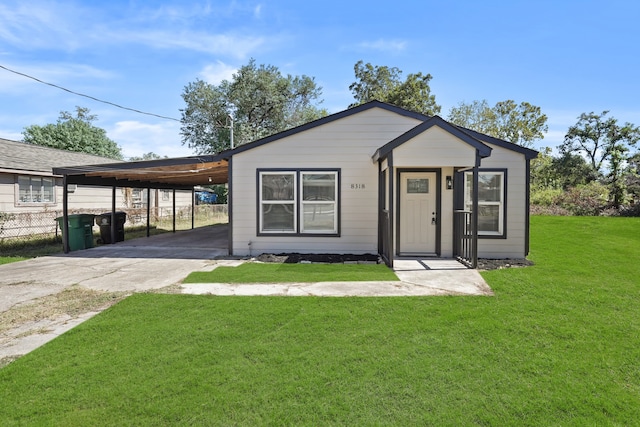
{"x": 80, "y": 231}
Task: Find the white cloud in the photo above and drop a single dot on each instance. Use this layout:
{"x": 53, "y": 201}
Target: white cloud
{"x": 53, "y": 73}
{"x": 216, "y": 73}
{"x": 384, "y": 45}
{"x": 10, "y": 134}
{"x": 219, "y": 44}
{"x": 138, "y": 138}
{"x": 32, "y": 25}
{"x": 257, "y": 11}
{"x": 70, "y": 27}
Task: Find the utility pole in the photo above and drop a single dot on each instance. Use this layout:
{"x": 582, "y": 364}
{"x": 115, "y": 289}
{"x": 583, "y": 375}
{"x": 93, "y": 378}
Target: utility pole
{"x": 231, "y": 129}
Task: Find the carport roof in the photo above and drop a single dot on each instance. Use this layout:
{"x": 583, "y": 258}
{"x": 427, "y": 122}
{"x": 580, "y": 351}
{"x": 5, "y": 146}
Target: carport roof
{"x": 181, "y": 172}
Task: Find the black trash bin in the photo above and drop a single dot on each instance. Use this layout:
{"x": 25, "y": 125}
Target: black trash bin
{"x": 104, "y": 222}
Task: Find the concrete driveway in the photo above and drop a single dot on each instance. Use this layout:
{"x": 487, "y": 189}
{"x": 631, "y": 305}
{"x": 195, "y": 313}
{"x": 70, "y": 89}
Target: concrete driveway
{"x": 134, "y": 265}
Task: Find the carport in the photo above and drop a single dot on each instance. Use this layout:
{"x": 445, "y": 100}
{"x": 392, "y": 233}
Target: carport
{"x": 182, "y": 173}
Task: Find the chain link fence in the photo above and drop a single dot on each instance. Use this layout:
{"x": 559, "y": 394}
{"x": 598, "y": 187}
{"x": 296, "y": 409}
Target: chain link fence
{"x": 17, "y": 228}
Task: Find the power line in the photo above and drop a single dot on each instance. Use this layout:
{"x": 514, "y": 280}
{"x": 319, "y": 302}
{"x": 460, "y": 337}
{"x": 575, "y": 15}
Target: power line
{"x": 86, "y": 96}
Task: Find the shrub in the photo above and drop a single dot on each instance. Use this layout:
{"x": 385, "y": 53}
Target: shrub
{"x": 544, "y": 196}
{"x": 632, "y": 210}
{"x": 554, "y": 210}
{"x": 587, "y": 200}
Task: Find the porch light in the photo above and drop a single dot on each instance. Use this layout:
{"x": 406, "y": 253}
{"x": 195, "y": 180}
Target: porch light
{"x": 449, "y": 182}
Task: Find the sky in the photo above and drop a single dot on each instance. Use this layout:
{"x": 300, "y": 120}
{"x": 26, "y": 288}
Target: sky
{"x": 566, "y": 56}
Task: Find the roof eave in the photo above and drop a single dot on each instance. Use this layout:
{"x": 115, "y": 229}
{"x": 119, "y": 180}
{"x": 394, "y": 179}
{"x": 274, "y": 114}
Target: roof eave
{"x": 482, "y": 149}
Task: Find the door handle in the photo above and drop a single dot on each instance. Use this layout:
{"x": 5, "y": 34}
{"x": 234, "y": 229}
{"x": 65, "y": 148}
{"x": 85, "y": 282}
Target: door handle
{"x": 434, "y": 220}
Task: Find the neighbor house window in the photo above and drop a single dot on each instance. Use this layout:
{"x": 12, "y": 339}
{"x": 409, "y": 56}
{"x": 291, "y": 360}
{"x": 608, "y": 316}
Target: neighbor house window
{"x": 491, "y": 201}
{"x": 166, "y": 195}
{"x": 35, "y": 189}
{"x": 298, "y": 202}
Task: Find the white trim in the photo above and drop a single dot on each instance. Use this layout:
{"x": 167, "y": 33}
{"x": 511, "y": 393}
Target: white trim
{"x": 481, "y": 203}
{"x": 292, "y": 202}
{"x": 333, "y": 202}
{"x": 41, "y": 191}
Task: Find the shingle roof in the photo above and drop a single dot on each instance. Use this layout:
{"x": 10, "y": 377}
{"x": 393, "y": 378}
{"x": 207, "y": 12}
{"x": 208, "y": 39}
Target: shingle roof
{"x": 20, "y": 156}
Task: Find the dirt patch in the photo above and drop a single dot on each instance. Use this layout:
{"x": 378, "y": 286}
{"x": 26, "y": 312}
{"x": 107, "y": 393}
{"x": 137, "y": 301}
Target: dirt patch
{"x": 294, "y": 258}
{"x": 72, "y": 302}
{"x": 28, "y": 325}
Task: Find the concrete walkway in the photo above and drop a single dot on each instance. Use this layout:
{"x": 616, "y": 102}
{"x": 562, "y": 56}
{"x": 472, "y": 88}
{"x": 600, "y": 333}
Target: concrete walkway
{"x": 418, "y": 277}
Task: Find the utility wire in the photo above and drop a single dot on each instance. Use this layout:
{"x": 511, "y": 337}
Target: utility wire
{"x": 87, "y": 96}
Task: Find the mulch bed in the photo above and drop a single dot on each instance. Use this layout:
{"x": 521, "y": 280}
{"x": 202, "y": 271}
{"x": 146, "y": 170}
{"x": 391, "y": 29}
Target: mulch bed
{"x": 497, "y": 264}
{"x": 294, "y": 258}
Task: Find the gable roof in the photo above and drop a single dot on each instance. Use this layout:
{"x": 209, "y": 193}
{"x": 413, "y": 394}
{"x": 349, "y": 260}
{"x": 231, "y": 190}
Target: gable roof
{"x": 21, "y": 156}
{"x": 383, "y": 152}
{"x": 475, "y": 139}
{"x": 184, "y": 172}
{"x": 322, "y": 121}
{"x": 528, "y": 153}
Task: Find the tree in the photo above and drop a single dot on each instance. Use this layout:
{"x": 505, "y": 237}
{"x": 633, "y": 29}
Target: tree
{"x": 598, "y": 138}
{"x": 572, "y": 170}
{"x": 605, "y": 144}
{"x": 542, "y": 173}
{"x": 74, "y": 134}
{"x": 259, "y": 100}
{"x": 632, "y": 178}
{"x": 518, "y": 123}
{"x": 385, "y": 84}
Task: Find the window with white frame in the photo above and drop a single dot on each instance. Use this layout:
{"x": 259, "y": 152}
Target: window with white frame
{"x": 319, "y": 202}
{"x": 36, "y": 190}
{"x": 298, "y": 202}
{"x": 491, "y": 197}
{"x": 278, "y": 202}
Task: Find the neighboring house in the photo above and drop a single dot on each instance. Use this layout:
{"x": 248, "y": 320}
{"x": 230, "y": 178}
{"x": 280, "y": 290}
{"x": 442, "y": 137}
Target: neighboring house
{"x": 380, "y": 179}
{"x": 27, "y": 184}
{"x": 372, "y": 179}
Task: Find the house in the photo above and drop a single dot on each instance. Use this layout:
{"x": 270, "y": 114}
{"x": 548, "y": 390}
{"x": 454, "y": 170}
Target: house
{"x": 371, "y": 179}
{"x": 28, "y": 185}
{"x": 29, "y": 188}
{"x": 377, "y": 178}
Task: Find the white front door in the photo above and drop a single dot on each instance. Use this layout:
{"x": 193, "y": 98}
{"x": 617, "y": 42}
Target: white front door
{"x": 418, "y": 214}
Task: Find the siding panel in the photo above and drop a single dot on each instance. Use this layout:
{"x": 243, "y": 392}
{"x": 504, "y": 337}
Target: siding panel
{"x": 346, "y": 144}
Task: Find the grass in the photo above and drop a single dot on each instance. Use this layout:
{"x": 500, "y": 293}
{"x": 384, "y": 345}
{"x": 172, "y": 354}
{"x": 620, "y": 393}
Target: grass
{"x": 558, "y": 344}
{"x": 8, "y": 259}
{"x": 14, "y": 250}
{"x": 290, "y": 273}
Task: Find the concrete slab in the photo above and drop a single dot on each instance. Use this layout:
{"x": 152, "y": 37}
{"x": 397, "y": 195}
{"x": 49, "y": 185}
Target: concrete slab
{"x": 418, "y": 277}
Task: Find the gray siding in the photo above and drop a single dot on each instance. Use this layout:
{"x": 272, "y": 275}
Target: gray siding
{"x": 346, "y": 144}
{"x": 514, "y": 245}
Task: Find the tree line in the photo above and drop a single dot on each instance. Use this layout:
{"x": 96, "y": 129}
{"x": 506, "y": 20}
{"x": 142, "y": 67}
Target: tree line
{"x": 595, "y": 168}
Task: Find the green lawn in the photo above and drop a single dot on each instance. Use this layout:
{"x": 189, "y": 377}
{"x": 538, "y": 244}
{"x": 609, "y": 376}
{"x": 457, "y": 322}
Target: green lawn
{"x": 558, "y": 344}
{"x": 290, "y": 273}
{"x": 8, "y": 259}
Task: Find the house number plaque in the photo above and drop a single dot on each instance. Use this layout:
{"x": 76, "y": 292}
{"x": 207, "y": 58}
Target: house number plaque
{"x": 357, "y": 186}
